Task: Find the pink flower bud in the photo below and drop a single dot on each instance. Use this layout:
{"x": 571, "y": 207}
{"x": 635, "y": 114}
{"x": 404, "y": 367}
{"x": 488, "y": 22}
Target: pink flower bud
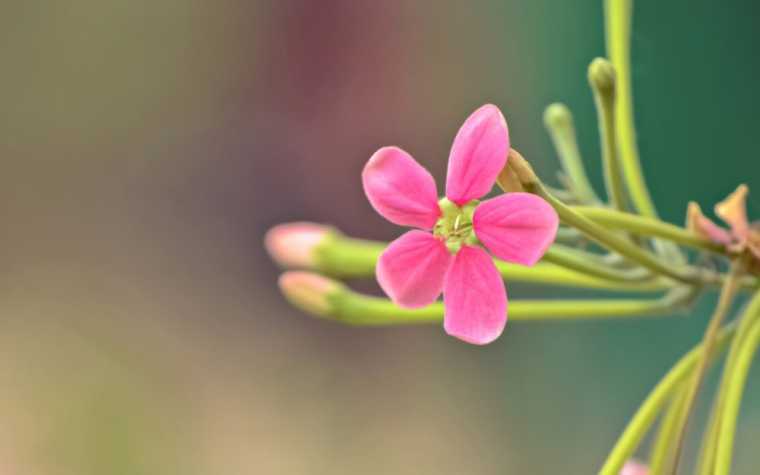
{"x": 294, "y": 244}
{"x": 309, "y": 291}
{"x": 632, "y": 467}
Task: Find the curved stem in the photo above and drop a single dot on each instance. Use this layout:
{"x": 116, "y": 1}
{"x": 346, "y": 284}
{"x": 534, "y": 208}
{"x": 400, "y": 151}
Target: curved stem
{"x": 568, "y": 235}
{"x": 727, "y": 294}
{"x": 616, "y": 243}
{"x": 592, "y": 264}
{"x": 725, "y": 444}
{"x": 618, "y": 19}
{"x": 646, "y": 414}
{"x": 746, "y": 320}
{"x": 602, "y": 80}
{"x": 659, "y": 460}
{"x": 648, "y": 227}
{"x": 342, "y": 256}
{"x": 559, "y": 123}
{"x": 618, "y": 29}
{"x": 355, "y": 308}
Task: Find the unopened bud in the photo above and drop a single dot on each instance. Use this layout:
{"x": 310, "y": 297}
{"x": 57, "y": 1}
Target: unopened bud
{"x": 557, "y": 116}
{"x": 309, "y": 291}
{"x": 601, "y": 76}
{"x": 521, "y": 169}
{"x": 294, "y": 245}
{"x": 633, "y": 467}
{"x": 508, "y": 180}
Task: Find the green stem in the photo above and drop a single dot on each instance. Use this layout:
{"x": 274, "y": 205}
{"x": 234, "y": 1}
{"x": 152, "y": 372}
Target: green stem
{"x": 618, "y": 29}
{"x": 559, "y": 123}
{"x": 355, "y": 308}
{"x": 660, "y": 460}
{"x": 618, "y": 19}
{"x": 601, "y": 76}
{"x": 728, "y": 292}
{"x": 746, "y": 321}
{"x": 725, "y": 445}
{"x": 648, "y": 227}
{"x": 568, "y": 235}
{"x": 341, "y": 256}
{"x": 592, "y": 264}
{"x": 616, "y": 243}
{"x": 646, "y": 414}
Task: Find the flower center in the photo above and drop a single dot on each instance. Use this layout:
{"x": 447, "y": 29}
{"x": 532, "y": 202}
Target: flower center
{"x": 455, "y": 224}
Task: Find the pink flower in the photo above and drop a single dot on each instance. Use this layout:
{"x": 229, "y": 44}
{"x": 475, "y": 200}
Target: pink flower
{"x": 418, "y": 266}
{"x": 733, "y": 210}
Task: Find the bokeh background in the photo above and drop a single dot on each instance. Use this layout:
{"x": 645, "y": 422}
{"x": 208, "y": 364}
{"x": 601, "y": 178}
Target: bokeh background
{"x": 146, "y": 146}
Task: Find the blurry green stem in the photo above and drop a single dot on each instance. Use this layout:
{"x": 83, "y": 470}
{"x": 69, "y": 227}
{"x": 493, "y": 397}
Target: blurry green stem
{"x": 559, "y": 123}
{"x": 618, "y": 19}
{"x": 568, "y": 235}
{"x": 647, "y": 227}
{"x": 618, "y": 29}
{"x": 710, "y": 440}
{"x": 347, "y": 257}
{"x": 660, "y": 458}
{"x": 601, "y": 76}
{"x": 728, "y": 292}
{"x": 614, "y": 242}
{"x": 592, "y": 264}
{"x": 737, "y": 381}
{"x": 647, "y": 412}
{"x": 354, "y": 308}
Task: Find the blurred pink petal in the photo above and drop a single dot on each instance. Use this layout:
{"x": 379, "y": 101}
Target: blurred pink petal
{"x": 400, "y": 189}
{"x": 703, "y": 226}
{"x": 733, "y": 210}
{"x": 477, "y": 156}
{"x": 516, "y": 227}
{"x": 412, "y": 268}
{"x": 475, "y": 298}
{"x": 632, "y": 467}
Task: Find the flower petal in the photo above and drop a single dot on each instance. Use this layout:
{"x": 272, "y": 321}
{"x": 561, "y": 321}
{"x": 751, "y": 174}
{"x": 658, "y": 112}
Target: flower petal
{"x": 516, "y": 227}
{"x": 475, "y": 298}
{"x": 412, "y": 268}
{"x": 703, "y": 226}
{"x": 400, "y": 189}
{"x": 733, "y": 210}
{"x": 477, "y": 156}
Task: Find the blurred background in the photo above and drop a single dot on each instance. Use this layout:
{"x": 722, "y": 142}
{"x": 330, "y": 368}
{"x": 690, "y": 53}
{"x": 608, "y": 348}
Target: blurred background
{"x": 146, "y": 147}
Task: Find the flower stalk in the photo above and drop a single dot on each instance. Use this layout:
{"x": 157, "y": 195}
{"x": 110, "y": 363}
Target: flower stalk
{"x": 618, "y": 38}
{"x": 559, "y": 123}
{"x": 601, "y": 77}
{"x": 735, "y": 390}
{"x": 341, "y": 256}
{"x": 337, "y": 302}
{"x": 599, "y": 234}
{"x": 749, "y": 317}
{"x": 728, "y": 292}
{"x": 645, "y": 416}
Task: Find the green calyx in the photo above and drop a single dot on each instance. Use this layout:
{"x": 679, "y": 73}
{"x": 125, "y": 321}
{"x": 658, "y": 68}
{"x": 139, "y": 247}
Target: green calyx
{"x": 455, "y": 224}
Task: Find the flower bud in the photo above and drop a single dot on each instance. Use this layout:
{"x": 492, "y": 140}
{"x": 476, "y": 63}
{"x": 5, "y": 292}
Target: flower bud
{"x": 508, "y": 180}
{"x": 295, "y": 244}
{"x": 601, "y": 76}
{"x": 632, "y": 467}
{"x": 309, "y": 292}
{"x": 520, "y": 174}
{"x": 558, "y": 117}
